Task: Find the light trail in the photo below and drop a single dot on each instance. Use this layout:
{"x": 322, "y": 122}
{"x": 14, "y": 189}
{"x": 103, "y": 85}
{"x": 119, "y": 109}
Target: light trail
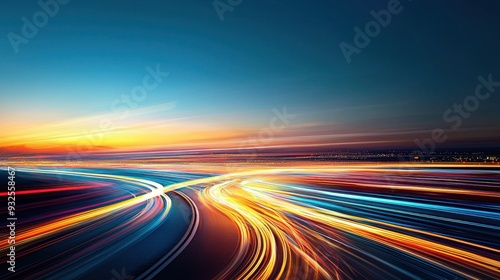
{"x": 367, "y": 221}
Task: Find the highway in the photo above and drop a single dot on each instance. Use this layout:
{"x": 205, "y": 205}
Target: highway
{"x": 313, "y": 222}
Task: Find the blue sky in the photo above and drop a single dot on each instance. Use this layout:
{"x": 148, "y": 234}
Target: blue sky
{"x": 264, "y": 55}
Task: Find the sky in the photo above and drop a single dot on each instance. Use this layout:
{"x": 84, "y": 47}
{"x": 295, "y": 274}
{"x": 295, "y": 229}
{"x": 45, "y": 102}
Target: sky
{"x": 229, "y": 73}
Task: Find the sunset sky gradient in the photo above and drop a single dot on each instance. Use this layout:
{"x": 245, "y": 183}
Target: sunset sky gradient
{"x": 226, "y": 77}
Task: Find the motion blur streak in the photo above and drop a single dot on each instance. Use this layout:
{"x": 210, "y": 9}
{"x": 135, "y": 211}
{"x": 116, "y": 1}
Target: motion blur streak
{"x": 326, "y": 217}
{"x": 163, "y": 202}
{"x": 368, "y": 221}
